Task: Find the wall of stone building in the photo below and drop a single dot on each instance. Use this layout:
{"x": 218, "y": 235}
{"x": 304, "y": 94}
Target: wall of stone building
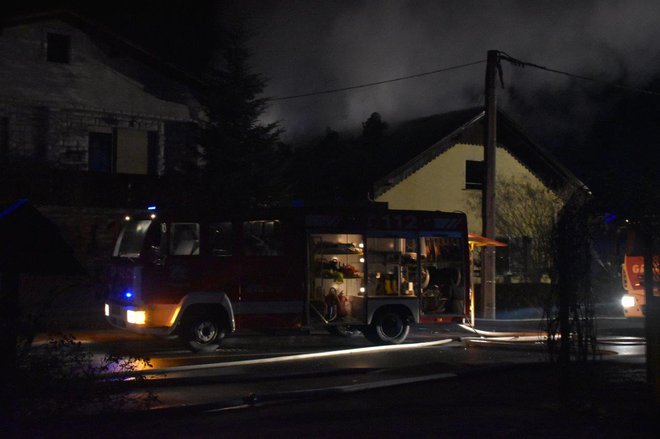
{"x": 61, "y": 136}
{"x": 69, "y": 134}
{"x": 95, "y": 78}
{"x": 48, "y": 108}
{"x": 26, "y": 128}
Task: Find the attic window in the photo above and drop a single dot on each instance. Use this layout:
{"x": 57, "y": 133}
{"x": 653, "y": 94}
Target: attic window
{"x": 58, "y": 48}
{"x": 474, "y": 174}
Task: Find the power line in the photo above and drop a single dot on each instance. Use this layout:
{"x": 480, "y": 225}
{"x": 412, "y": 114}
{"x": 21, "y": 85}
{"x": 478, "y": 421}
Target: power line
{"x": 503, "y": 55}
{"x": 519, "y": 63}
{"x": 371, "y": 84}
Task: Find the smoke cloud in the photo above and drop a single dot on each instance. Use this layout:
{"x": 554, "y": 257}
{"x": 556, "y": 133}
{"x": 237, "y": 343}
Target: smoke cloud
{"x": 305, "y": 46}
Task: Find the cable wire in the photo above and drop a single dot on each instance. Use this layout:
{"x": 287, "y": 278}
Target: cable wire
{"x": 519, "y": 63}
{"x": 371, "y": 84}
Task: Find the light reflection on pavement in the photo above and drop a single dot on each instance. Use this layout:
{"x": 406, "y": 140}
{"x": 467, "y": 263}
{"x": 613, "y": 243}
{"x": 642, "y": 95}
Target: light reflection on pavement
{"x": 273, "y": 365}
{"x": 523, "y": 336}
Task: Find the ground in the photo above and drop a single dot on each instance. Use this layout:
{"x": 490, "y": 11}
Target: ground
{"x": 605, "y": 399}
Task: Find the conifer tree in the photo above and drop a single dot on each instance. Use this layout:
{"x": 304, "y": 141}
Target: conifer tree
{"x": 240, "y": 156}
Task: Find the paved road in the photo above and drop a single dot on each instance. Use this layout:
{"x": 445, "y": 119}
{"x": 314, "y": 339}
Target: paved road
{"x": 615, "y": 334}
{"x": 440, "y": 384}
{"x": 272, "y": 367}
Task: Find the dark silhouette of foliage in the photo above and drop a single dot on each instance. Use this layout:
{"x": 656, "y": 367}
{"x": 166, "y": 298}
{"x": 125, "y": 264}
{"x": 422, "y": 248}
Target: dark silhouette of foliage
{"x": 340, "y": 169}
{"x": 373, "y": 131}
{"x": 61, "y": 378}
{"x": 240, "y": 157}
{"x": 570, "y": 311}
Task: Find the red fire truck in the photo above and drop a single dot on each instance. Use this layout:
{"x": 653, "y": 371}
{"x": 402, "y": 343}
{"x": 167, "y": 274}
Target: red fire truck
{"x": 373, "y": 270}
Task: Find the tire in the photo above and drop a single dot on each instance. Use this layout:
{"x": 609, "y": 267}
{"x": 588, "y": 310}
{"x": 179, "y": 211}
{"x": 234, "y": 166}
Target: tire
{"x": 343, "y": 331}
{"x": 202, "y": 333}
{"x": 387, "y": 327}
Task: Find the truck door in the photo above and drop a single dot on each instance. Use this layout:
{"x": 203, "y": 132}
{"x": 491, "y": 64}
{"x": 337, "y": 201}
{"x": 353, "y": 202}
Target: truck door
{"x": 182, "y": 265}
{"x": 220, "y": 264}
{"x": 271, "y": 277}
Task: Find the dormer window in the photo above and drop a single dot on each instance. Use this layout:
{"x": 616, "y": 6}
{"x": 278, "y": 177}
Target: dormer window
{"x": 58, "y": 48}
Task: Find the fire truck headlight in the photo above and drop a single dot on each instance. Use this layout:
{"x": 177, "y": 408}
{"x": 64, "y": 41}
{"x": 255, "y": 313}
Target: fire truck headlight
{"x": 136, "y": 317}
{"x": 627, "y": 301}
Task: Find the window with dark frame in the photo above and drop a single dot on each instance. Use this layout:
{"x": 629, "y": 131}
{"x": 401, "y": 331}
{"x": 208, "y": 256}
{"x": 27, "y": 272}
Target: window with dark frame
{"x": 106, "y": 150}
{"x": 100, "y": 153}
{"x": 184, "y": 239}
{"x": 474, "y": 174}
{"x": 58, "y": 48}
{"x": 262, "y": 238}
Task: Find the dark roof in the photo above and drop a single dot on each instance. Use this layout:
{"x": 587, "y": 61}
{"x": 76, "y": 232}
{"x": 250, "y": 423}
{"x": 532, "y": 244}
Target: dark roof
{"x": 155, "y": 77}
{"x": 417, "y": 142}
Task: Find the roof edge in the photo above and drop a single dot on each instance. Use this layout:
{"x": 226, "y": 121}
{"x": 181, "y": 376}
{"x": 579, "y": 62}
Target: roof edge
{"x": 399, "y": 174}
{"x": 89, "y": 26}
{"x": 393, "y": 178}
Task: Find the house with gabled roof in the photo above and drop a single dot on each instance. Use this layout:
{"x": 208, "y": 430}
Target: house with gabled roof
{"x": 441, "y": 167}
{"x": 91, "y": 125}
{"x": 78, "y": 98}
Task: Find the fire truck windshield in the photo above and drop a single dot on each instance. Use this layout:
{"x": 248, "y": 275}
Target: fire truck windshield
{"x": 131, "y": 239}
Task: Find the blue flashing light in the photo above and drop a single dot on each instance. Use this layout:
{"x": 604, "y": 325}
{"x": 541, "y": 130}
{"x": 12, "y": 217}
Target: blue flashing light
{"x": 151, "y": 208}
{"x": 128, "y": 294}
{"x": 609, "y": 217}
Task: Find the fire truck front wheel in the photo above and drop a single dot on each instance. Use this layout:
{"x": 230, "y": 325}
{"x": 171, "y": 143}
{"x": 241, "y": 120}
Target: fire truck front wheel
{"x": 202, "y": 332}
{"x": 389, "y": 326}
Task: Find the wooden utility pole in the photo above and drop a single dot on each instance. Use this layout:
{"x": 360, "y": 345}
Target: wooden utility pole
{"x": 488, "y": 191}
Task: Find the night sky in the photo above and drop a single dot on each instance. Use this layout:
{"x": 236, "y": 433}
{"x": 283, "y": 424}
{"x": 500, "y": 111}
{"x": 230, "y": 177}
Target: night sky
{"x": 304, "y": 46}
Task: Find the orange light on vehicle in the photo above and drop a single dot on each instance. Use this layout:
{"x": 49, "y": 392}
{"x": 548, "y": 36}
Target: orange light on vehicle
{"x": 136, "y": 317}
{"x": 175, "y": 315}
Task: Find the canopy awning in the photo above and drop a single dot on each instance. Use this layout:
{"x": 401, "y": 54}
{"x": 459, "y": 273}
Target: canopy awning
{"x": 481, "y": 241}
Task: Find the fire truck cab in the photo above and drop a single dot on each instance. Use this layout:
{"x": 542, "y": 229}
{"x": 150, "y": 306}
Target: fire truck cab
{"x": 374, "y": 270}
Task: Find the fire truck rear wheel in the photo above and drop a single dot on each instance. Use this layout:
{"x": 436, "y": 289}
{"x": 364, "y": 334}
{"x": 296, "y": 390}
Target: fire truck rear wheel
{"x": 203, "y": 333}
{"x": 387, "y": 327}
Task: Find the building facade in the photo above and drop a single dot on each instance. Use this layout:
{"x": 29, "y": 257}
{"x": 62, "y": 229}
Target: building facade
{"x": 447, "y": 174}
{"x": 91, "y": 126}
{"x": 76, "y": 97}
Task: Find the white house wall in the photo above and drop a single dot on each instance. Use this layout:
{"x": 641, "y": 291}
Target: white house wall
{"x": 440, "y": 184}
